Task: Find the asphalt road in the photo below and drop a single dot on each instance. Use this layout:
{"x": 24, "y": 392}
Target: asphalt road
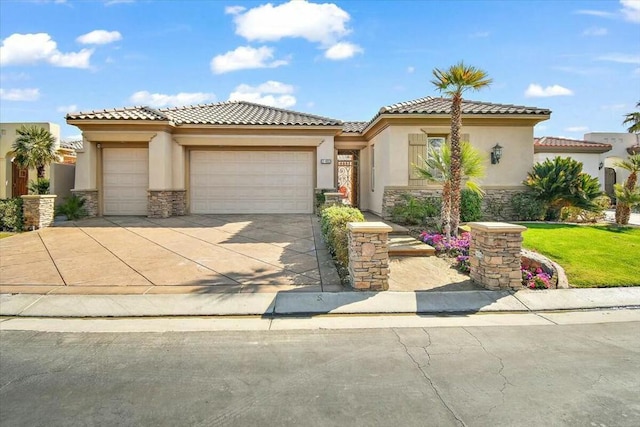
{"x": 579, "y": 375}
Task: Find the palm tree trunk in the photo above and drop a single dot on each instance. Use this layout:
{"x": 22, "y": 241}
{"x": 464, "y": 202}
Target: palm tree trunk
{"x": 446, "y": 209}
{"x": 622, "y": 211}
{"x": 456, "y": 173}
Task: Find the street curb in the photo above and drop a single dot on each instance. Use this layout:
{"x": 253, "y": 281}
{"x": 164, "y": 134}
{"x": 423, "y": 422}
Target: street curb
{"x": 310, "y": 303}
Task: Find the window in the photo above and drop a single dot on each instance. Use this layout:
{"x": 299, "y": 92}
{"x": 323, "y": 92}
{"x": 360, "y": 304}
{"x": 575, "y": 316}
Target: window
{"x": 373, "y": 167}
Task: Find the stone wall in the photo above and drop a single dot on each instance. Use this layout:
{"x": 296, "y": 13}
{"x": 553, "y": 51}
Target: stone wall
{"x": 496, "y": 203}
{"x": 331, "y": 199}
{"x": 369, "y": 256}
{"x": 179, "y": 202}
{"x": 91, "y": 203}
{"x": 38, "y": 210}
{"x": 494, "y": 255}
{"x": 166, "y": 203}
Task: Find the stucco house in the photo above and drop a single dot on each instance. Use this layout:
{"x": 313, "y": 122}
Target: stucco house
{"x": 240, "y": 157}
{"x": 15, "y": 180}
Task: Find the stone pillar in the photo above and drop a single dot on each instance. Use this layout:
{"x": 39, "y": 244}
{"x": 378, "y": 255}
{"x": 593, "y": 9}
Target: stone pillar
{"x": 160, "y": 203}
{"x": 38, "y": 210}
{"x": 494, "y": 254}
{"x": 179, "y": 202}
{"x": 331, "y": 199}
{"x": 91, "y": 204}
{"x": 369, "y": 256}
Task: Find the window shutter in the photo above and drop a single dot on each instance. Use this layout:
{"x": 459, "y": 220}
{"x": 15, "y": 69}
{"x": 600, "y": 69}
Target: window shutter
{"x": 417, "y": 152}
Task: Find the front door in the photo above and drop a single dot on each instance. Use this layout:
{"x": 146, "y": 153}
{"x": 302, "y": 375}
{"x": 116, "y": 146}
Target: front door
{"x": 348, "y": 179}
{"x": 609, "y": 180}
{"x": 19, "y": 178}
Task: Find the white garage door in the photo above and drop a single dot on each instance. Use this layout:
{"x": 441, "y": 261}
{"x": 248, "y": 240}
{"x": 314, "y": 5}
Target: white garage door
{"x": 125, "y": 180}
{"x": 251, "y": 182}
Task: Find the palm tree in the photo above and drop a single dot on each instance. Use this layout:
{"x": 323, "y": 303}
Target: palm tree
{"x": 454, "y": 82}
{"x": 628, "y": 191}
{"x": 437, "y": 167}
{"x": 633, "y": 120}
{"x": 35, "y": 147}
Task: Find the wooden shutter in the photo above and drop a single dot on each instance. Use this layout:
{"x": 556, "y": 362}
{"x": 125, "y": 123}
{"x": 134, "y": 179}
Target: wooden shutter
{"x": 417, "y": 152}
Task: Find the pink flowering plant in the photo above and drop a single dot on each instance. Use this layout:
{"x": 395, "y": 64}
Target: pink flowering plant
{"x": 535, "y": 277}
{"x": 455, "y": 247}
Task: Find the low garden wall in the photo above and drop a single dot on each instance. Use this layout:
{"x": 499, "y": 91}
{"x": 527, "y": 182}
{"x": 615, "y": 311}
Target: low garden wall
{"x": 38, "y": 210}
{"x": 369, "y": 256}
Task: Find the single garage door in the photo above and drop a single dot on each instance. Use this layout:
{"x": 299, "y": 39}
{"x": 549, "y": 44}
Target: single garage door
{"x": 125, "y": 180}
{"x": 251, "y": 182}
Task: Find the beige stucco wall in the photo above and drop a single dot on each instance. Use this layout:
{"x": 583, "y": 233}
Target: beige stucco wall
{"x": 590, "y": 162}
{"x": 392, "y": 156}
{"x": 62, "y": 181}
{"x": 620, "y": 142}
{"x": 161, "y": 162}
{"x": 87, "y": 166}
{"x": 7, "y": 138}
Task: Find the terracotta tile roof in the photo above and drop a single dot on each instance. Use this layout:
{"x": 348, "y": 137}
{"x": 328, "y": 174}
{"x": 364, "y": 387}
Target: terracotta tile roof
{"x": 71, "y": 145}
{"x": 353, "y": 127}
{"x": 431, "y": 105}
{"x": 222, "y": 113}
{"x": 554, "y": 144}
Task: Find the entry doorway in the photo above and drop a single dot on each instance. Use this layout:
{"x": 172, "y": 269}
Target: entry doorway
{"x": 348, "y": 176}
{"x": 19, "y": 180}
{"x": 609, "y": 180}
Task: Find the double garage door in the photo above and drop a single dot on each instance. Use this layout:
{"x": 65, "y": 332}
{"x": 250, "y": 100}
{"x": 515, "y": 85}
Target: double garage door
{"x": 251, "y": 182}
{"x": 219, "y": 181}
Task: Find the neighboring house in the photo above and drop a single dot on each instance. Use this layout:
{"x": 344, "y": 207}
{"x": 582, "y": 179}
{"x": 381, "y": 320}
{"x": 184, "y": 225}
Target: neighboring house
{"x": 14, "y": 180}
{"x": 68, "y": 151}
{"x": 589, "y": 153}
{"x": 622, "y": 145}
{"x": 239, "y": 157}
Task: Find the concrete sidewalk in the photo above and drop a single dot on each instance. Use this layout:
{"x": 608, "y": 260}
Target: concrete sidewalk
{"x": 302, "y": 304}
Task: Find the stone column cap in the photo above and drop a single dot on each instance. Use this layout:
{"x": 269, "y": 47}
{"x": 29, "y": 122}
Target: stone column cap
{"x": 39, "y": 196}
{"x": 333, "y": 194}
{"x": 83, "y": 189}
{"x": 497, "y": 227}
{"x": 369, "y": 227}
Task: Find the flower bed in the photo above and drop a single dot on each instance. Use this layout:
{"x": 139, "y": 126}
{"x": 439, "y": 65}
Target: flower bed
{"x": 455, "y": 247}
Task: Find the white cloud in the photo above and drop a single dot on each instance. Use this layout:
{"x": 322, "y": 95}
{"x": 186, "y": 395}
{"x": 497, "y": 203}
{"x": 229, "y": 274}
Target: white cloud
{"x": 113, "y": 2}
{"x": 595, "y": 32}
{"x": 234, "y": 10}
{"x": 321, "y": 23}
{"x": 99, "y": 37}
{"x": 622, "y": 58}
{"x": 541, "y": 127}
{"x": 67, "y": 108}
{"x": 576, "y": 129}
{"x": 29, "y": 49}
{"x": 19, "y": 94}
{"x": 273, "y": 93}
{"x": 342, "y": 50}
{"x": 411, "y": 69}
{"x": 630, "y": 10}
{"x": 245, "y": 57}
{"x": 163, "y": 100}
{"x": 600, "y": 13}
{"x": 537, "y": 91}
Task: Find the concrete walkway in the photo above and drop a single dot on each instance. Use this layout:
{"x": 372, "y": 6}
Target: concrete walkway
{"x": 191, "y": 254}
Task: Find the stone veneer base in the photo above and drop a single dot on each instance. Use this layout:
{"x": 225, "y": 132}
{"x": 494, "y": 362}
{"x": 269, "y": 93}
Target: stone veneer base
{"x": 38, "y": 210}
{"x": 369, "y": 256}
{"x": 166, "y": 203}
{"x": 91, "y": 204}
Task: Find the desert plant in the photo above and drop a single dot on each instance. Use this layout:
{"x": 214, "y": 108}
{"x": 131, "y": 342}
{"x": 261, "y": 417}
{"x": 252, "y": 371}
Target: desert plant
{"x": 333, "y": 221}
{"x": 454, "y": 82}
{"x": 527, "y": 207}
{"x": 625, "y": 194}
{"x": 11, "y": 214}
{"x": 572, "y": 214}
{"x": 561, "y": 183}
{"x": 72, "y": 208}
{"x": 470, "y": 206}
{"x": 35, "y": 147}
{"x": 39, "y": 186}
{"x": 414, "y": 211}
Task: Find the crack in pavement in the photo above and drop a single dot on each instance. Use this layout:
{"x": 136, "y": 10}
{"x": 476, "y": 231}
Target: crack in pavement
{"x": 426, "y": 376}
{"x": 500, "y": 371}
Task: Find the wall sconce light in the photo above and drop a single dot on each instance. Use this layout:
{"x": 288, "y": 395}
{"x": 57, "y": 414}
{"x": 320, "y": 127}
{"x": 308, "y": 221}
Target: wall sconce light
{"x": 600, "y": 166}
{"x": 496, "y": 154}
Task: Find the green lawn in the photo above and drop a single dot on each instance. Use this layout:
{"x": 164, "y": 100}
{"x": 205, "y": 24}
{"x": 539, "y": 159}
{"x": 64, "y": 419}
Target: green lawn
{"x": 592, "y": 256}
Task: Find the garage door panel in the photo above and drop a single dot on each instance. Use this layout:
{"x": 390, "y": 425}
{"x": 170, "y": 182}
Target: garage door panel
{"x": 251, "y": 182}
{"x": 125, "y": 181}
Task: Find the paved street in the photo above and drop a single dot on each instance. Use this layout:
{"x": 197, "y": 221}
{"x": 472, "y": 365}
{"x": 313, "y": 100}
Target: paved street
{"x": 578, "y": 375}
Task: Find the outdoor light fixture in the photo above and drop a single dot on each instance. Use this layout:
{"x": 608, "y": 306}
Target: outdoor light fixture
{"x": 496, "y": 154}
{"x": 600, "y": 166}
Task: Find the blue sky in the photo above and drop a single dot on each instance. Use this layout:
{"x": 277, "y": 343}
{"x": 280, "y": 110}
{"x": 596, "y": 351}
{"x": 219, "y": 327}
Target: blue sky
{"x": 345, "y": 59}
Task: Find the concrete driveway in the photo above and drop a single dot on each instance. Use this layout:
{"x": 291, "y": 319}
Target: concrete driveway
{"x": 191, "y": 254}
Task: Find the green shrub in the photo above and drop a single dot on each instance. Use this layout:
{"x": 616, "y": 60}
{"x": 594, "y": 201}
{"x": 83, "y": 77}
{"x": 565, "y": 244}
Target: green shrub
{"x": 571, "y": 214}
{"x": 72, "y": 208}
{"x": 414, "y": 211}
{"x": 527, "y": 207}
{"x": 11, "y": 214}
{"x": 470, "y": 206}
{"x": 39, "y": 186}
{"x": 333, "y": 222}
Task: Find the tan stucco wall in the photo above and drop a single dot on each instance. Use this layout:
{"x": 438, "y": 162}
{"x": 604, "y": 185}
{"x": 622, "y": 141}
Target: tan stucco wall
{"x": 620, "y": 142}
{"x": 590, "y": 162}
{"x": 7, "y": 138}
